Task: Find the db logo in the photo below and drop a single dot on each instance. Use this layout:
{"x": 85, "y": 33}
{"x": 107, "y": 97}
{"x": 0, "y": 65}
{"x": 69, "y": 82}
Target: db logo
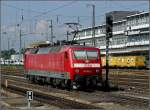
{"x": 87, "y": 61}
{"x": 88, "y": 65}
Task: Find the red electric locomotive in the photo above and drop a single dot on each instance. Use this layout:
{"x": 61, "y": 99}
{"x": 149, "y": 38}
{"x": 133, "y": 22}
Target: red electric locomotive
{"x": 65, "y": 66}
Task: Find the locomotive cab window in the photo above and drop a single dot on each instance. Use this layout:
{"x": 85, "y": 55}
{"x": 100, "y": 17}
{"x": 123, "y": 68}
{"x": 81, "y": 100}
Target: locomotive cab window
{"x": 85, "y": 54}
{"x": 80, "y": 54}
{"x": 43, "y": 50}
{"x": 31, "y": 50}
{"x": 92, "y": 54}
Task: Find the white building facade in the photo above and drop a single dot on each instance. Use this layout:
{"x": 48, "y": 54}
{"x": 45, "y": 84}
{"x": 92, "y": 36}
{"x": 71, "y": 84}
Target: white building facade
{"x": 130, "y": 35}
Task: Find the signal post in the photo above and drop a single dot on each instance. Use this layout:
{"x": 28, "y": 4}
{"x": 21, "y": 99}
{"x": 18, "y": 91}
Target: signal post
{"x": 109, "y": 33}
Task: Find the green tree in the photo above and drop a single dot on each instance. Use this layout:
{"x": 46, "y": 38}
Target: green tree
{"x": 12, "y": 51}
{"x": 6, "y": 54}
{"x": 22, "y": 50}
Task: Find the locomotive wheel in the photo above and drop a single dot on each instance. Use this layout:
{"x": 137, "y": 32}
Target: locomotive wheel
{"x": 36, "y": 81}
{"x": 54, "y": 83}
{"x": 51, "y": 81}
{"x": 40, "y": 80}
{"x": 31, "y": 79}
{"x": 68, "y": 85}
{"x": 63, "y": 85}
{"x": 94, "y": 82}
{"x": 58, "y": 83}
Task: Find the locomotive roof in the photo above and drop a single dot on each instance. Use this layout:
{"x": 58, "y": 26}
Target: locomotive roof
{"x": 79, "y": 46}
{"x": 66, "y": 46}
{"x": 53, "y": 49}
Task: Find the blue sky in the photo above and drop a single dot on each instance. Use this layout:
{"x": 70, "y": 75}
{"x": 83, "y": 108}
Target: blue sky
{"x": 37, "y": 13}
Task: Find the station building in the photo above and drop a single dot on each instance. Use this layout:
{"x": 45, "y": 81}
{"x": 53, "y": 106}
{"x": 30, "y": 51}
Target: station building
{"x": 130, "y": 34}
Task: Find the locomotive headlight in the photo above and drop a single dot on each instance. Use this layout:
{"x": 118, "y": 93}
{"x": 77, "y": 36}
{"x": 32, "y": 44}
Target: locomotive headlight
{"x": 77, "y": 70}
{"x": 97, "y": 70}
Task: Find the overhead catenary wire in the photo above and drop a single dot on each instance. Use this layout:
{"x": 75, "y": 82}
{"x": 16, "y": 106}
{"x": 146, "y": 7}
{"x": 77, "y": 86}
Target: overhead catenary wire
{"x": 82, "y": 17}
{"x": 44, "y": 13}
{"x": 127, "y": 8}
{"x": 17, "y": 8}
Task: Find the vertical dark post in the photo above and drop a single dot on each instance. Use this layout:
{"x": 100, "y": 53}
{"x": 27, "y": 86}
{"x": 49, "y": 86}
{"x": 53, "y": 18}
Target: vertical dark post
{"x": 51, "y": 31}
{"x": 78, "y": 19}
{"x": 109, "y": 29}
{"x": 20, "y": 42}
{"x": 149, "y": 47}
{"x": 8, "y": 43}
{"x": 107, "y": 65}
{"x": 20, "y": 45}
{"x": 57, "y": 19}
{"x": 24, "y": 44}
{"x": 47, "y": 31}
{"x": 67, "y": 35}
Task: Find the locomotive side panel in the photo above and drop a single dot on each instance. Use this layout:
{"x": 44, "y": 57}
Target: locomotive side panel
{"x": 49, "y": 65}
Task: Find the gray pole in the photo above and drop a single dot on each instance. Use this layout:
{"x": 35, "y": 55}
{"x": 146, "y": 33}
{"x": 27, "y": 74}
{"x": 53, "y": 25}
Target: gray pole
{"x": 29, "y": 104}
{"x": 8, "y": 43}
{"x": 67, "y": 35}
{"x": 78, "y": 19}
{"x": 149, "y": 46}
{"x": 24, "y": 44}
{"x": 51, "y": 31}
{"x": 0, "y": 67}
{"x": 93, "y": 26}
{"x": 20, "y": 44}
{"x": 20, "y": 34}
{"x": 47, "y": 32}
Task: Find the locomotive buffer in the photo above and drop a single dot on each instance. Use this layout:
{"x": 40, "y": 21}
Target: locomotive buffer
{"x": 109, "y": 34}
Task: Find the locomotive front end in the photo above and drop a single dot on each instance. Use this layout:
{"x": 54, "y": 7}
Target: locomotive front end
{"x": 86, "y": 67}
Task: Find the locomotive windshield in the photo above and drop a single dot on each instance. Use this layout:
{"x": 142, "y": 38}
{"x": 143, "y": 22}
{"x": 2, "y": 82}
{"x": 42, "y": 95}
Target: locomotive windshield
{"x": 85, "y": 54}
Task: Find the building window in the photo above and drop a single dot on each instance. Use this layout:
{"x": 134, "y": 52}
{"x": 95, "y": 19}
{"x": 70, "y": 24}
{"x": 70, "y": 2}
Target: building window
{"x": 101, "y": 42}
{"x": 88, "y": 32}
{"x": 147, "y": 19}
{"x": 96, "y": 31}
{"x": 82, "y": 34}
{"x": 102, "y": 30}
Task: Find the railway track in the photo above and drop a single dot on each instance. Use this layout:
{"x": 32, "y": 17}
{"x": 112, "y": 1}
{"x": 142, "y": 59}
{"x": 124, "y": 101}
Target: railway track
{"x": 21, "y": 87}
{"x": 136, "y": 81}
{"x": 19, "y": 70}
{"x": 46, "y": 97}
